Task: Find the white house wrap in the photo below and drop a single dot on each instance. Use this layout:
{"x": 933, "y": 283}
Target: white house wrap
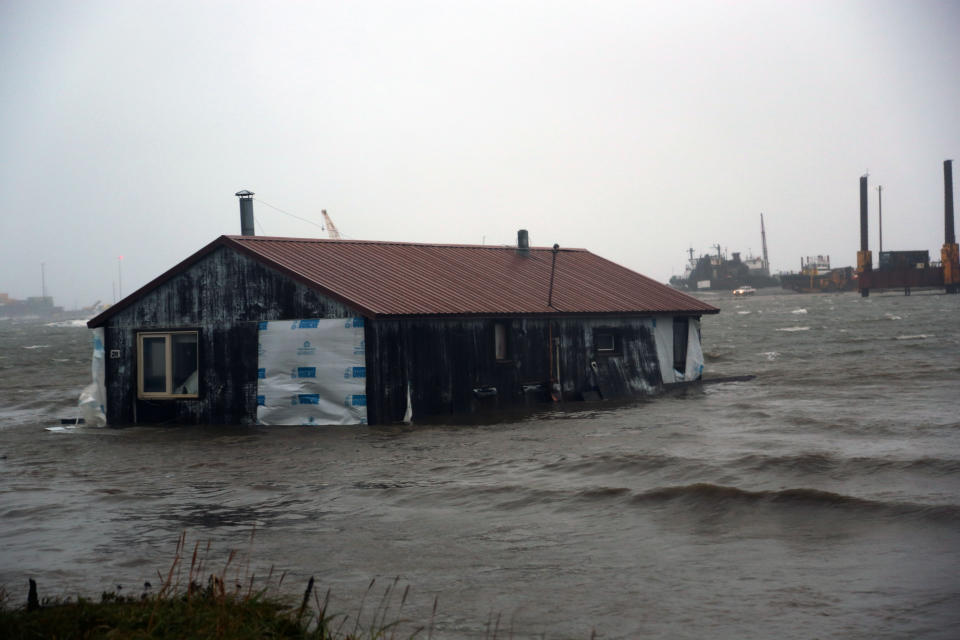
{"x": 664, "y": 336}
{"x": 312, "y": 372}
{"x": 93, "y": 398}
{"x": 694, "y": 352}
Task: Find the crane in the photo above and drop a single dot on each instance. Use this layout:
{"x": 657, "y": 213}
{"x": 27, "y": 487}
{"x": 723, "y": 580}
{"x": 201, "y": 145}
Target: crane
{"x": 331, "y": 228}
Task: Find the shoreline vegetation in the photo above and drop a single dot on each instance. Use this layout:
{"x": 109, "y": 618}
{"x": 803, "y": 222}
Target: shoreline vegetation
{"x": 206, "y": 605}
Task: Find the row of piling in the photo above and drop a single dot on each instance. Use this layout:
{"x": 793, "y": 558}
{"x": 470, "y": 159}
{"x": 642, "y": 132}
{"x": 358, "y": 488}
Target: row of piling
{"x": 903, "y": 269}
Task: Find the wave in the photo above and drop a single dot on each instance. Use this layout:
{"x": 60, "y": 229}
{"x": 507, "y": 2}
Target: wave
{"x": 799, "y": 311}
{"x": 615, "y": 462}
{"x": 720, "y": 497}
{"x": 699, "y": 499}
{"x": 819, "y": 463}
{"x": 791, "y": 329}
{"x": 919, "y": 336}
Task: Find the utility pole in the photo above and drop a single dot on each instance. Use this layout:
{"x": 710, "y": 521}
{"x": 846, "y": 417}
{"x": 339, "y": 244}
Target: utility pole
{"x": 120, "y": 275}
{"x": 43, "y": 280}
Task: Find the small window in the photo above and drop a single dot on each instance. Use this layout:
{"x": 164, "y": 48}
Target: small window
{"x": 606, "y": 342}
{"x": 168, "y": 365}
{"x": 500, "y": 350}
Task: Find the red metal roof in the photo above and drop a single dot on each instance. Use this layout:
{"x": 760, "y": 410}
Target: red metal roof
{"x": 402, "y": 278}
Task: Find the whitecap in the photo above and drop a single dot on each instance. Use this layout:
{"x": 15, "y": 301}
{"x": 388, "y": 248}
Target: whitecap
{"x": 890, "y": 316}
{"x": 799, "y": 311}
{"x": 68, "y": 323}
{"x": 743, "y": 313}
{"x": 794, "y": 329}
{"x": 919, "y": 336}
{"x": 771, "y": 355}
{"x": 37, "y": 346}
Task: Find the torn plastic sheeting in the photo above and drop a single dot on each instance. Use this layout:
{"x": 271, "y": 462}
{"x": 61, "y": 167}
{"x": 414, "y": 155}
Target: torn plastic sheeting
{"x": 93, "y": 398}
{"x": 694, "y": 364}
{"x": 311, "y": 372}
{"x": 663, "y": 338}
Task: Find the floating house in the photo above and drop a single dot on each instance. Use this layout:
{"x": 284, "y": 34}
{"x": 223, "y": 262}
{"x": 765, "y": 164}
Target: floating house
{"x": 269, "y": 330}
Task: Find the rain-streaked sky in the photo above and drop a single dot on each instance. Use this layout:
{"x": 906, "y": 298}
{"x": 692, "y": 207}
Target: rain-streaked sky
{"x": 634, "y": 129}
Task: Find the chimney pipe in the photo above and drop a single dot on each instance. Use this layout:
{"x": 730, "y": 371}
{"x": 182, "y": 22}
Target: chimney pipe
{"x": 948, "y": 235}
{"x": 246, "y": 212}
{"x": 523, "y": 242}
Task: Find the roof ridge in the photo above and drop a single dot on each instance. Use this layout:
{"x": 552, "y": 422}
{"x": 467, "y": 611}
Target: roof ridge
{"x": 404, "y": 243}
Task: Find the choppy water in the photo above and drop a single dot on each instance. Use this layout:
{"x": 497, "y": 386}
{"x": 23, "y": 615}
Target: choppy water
{"x": 820, "y": 500}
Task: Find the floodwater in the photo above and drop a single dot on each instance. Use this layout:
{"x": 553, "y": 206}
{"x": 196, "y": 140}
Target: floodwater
{"x": 819, "y": 500}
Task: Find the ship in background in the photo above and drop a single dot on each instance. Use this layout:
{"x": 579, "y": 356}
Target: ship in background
{"x": 717, "y": 272}
{"x": 816, "y": 276}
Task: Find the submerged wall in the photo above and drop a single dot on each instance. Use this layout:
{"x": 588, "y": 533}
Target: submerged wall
{"x": 449, "y": 365}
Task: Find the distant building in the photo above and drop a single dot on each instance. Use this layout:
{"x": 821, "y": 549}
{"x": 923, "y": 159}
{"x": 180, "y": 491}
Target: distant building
{"x": 378, "y": 332}
{"x": 40, "y": 306}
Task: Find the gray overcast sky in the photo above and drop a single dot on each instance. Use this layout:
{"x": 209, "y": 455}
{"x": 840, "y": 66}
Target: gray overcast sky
{"x": 634, "y": 129}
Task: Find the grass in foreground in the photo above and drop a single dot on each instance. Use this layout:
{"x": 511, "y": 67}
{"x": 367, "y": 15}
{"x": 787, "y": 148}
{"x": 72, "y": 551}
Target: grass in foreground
{"x": 202, "y": 611}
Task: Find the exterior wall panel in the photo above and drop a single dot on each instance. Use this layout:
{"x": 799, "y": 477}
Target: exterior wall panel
{"x": 223, "y": 296}
{"x": 450, "y": 364}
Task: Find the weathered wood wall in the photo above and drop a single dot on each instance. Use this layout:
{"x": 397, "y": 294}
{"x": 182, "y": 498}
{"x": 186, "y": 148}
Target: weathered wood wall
{"x": 223, "y": 296}
{"x": 445, "y": 360}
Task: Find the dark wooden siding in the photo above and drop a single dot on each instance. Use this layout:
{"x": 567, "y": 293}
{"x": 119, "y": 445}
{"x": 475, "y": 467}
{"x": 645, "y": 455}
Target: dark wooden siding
{"x": 223, "y": 297}
{"x": 445, "y": 360}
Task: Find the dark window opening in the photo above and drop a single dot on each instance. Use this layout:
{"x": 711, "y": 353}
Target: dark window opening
{"x": 606, "y": 341}
{"x": 681, "y": 333}
{"x": 501, "y": 341}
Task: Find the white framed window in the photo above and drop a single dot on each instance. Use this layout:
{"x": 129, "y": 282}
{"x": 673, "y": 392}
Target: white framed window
{"x": 167, "y": 364}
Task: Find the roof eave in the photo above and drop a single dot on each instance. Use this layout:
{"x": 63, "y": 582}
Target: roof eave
{"x": 169, "y": 274}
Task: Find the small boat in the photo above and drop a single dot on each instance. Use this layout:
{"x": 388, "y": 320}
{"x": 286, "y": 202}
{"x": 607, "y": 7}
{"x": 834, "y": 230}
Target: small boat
{"x": 744, "y": 291}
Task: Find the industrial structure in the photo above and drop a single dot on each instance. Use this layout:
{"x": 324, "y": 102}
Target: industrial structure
{"x": 817, "y": 276}
{"x": 329, "y": 331}
{"x": 716, "y": 271}
{"x": 913, "y": 269}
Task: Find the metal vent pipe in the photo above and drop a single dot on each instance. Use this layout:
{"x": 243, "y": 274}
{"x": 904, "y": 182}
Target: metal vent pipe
{"x": 523, "y": 242}
{"x": 246, "y": 212}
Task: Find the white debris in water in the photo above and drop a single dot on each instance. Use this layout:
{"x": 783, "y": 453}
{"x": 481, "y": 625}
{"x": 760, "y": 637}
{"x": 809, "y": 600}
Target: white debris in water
{"x": 68, "y": 323}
